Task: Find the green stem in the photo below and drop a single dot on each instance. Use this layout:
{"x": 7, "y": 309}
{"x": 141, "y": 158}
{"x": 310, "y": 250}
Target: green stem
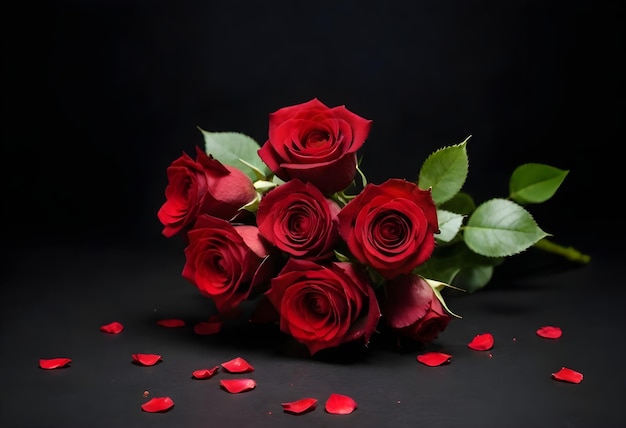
{"x": 569, "y": 253}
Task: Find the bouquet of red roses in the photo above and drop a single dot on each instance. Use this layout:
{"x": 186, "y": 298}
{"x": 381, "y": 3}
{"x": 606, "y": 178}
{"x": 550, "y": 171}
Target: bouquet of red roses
{"x": 294, "y": 226}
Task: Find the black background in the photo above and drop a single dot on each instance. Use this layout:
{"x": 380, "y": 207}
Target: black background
{"x": 100, "y": 96}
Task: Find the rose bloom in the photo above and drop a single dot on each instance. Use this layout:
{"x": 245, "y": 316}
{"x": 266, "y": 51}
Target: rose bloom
{"x": 390, "y": 227}
{"x": 315, "y": 143}
{"x": 298, "y": 219}
{"x": 202, "y": 186}
{"x": 324, "y": 306}
{"x": 412, "y": 309}
{"x": 226, "y": 262}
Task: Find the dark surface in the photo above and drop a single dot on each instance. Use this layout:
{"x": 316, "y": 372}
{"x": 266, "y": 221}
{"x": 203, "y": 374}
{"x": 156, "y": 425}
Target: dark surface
{"x": 55, "y": 310}
{"x": 100, "y": 96}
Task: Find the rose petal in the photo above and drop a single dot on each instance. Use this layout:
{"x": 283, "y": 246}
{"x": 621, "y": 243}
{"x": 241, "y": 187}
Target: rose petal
{"x": 481, "y": 342}
{"x": 568, "y": 375}
{"x": 54, "y": 363}
{"x": 157, "y": 404}
{"x": 235, "y": 386}
{"x": 212, "y": 326}
{"x": 338, "y": 404}
{"x": 300, "y": 406}
{"x": 204, "y": 373}
{"x": 237, "y": 365}
{"x": 146, "y": 359}
{"x": 550, "y": 332}
{"x": 112, "y": 328}
{"x": 171, "y": 323}
{"x": 433, "y": 359}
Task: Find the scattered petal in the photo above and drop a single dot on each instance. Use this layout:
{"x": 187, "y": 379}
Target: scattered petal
{"x": 212, "y": 326}
{"x": 54, "y": 363}
{"x": 481, "y": 342}
{"x": 146, "y": 359}
{"x": 146, "y": 393}
{"x": 204, "y": 373}
{"x": 157, "y": 404}
{"x": 300, "y": 406}
{"x": 568, "y": 375}
{"x": 433, "y": 359}
{"x": 237, "y": 365}
{"x": 112, "y": 328}
{"x": 171, "y": 323}
{"x": 338, "y": 404}
{"x": 550, "y": 332}
{"x": 235, "y": 386}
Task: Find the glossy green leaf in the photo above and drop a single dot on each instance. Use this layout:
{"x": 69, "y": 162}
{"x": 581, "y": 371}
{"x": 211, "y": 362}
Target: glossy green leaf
{"x": 501, "y": 228}
{"x": 445, "y": 172}
{"x": 533, "y": 183}
{"x": 238, "y": 150}
{"x": 449, "y": 225}
{"x": 473, "y": 278}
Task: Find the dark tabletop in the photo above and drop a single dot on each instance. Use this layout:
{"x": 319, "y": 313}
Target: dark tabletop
{"x": 55, "y": 299}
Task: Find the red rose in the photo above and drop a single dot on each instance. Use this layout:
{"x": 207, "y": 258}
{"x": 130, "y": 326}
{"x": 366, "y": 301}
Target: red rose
{"x": 203, "y": 186}
{"x": 412, "y": 309}
{"x": 324, "y": 306}
{"x": 390, "y": 227}
{"x": 315, "y": 143}
{"x": 227, "y": 263}
{"x": 299, "y": 220}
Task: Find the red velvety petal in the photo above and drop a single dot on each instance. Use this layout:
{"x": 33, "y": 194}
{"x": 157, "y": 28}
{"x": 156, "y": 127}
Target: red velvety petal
{"x": 550, "y": 332}
{"x": 433, "y": 359}
{"x": 300, "y": 406}
{"x": 339, "y": 404}
{"x": 568, "y": 375}
{"x": 171, "y": 323}
{"x": 481, "y": 342}
{"x": 235, "y": 386}
{"x": 146, "y": 359}
{"x": 112, "y": 328}
{"x": 204, "y": 328}
{"x": 237, "y": 365}
{"x": 54, "y": 363}
{"x": 157, "y": 404}
{"x": 205, "y": 373}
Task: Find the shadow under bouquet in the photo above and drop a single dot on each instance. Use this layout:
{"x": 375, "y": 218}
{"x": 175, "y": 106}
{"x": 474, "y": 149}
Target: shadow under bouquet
{"x": 293, "y": 226}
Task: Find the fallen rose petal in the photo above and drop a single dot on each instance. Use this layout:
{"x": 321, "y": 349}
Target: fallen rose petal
{"x": 300, "y": 406}
{"x": 171, "y": 323}
{"x": 481, "y": 342}
{"x": 550, "y": 332}
{"x": 205, "y": 373}
{"x": 204, "y": 328}
{"x": 54, "y": 363}
{"x": 237, "y": 365}
{"x": 157, "y": 404}
{"x": 338, "y": 404}
{"x": 146, "y": 359}
{"x": 568, "y": 375}
{"x": 235, "y": 386}
{"x": 433, "y": 359}
{"x": 112, "y": 328}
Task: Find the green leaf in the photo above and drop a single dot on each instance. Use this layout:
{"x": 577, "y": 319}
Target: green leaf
{"x": 533, "y": 183}
{"x": 449, "y": 225}
{"x": 231, "y": 148}
{"x": 461, "y": 203}
{"x": 445, "y": 171}
{"x": 473, "y": 278}
{"x": 501, "y": 228}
